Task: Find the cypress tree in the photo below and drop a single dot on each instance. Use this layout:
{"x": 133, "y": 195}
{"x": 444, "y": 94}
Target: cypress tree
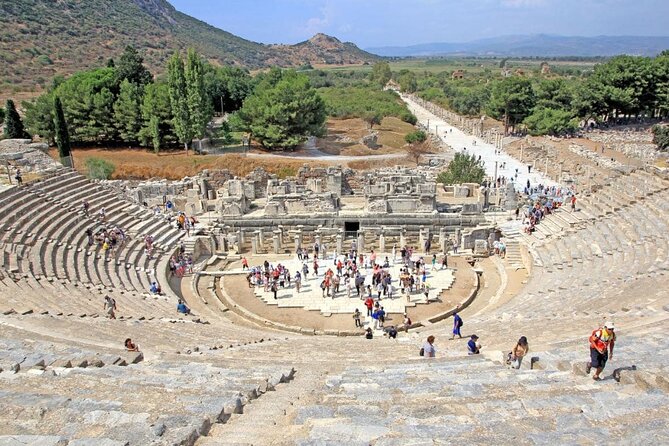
{"x": 199, "y": 105}
{"x": 14, "y": 126}
{"x": 176, "y": 81}
{"x": 62, "y": 135}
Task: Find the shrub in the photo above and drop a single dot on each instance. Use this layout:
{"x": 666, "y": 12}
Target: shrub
{"x": 409, "y": 118}
{"x": 661, "y": 136}
{"x": 99, "y": 169}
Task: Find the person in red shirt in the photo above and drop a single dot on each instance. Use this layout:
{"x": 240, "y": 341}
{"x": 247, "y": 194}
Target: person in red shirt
{"x": 369, "y": 303}
{"x": 602, "y": 341}
{"x": 573, "y": 203}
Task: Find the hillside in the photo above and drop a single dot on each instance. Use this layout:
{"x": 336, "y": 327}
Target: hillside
{"x": 540, "y": 45}
{"x": 40, "y": 39}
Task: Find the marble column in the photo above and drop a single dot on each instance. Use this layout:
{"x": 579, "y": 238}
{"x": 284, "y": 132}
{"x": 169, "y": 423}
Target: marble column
{"x": 382, "y": 242}
{"x": 361, "y": 241}
{"x": 340, "y": 243}
{"x": 254, "y": 245}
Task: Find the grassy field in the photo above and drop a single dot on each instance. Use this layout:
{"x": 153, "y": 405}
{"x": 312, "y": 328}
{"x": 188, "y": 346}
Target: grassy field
{"x": 470, "y": 65}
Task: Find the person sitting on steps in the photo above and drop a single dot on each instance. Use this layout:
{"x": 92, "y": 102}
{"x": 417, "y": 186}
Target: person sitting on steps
{"x": 182, "y": 308}
{"x": 515, "y": 356}
{"x": 130, "y": 346}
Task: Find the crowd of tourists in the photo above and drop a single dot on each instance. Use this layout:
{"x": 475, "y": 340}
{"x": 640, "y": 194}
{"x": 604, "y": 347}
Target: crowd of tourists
{"x": 346, "y": 274}
{"x": 547, "y": 200}
{"x": 181, "y": 263}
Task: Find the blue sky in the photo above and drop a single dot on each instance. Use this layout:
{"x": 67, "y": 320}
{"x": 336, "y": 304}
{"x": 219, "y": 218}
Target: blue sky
{"x": 405, "y": 22}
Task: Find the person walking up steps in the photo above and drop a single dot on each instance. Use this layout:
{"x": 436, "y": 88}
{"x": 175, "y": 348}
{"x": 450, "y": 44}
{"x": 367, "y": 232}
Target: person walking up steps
{"x": 457, "y": 323}
{"x": 602, "y": 342}
{"x": 110, "y": 307}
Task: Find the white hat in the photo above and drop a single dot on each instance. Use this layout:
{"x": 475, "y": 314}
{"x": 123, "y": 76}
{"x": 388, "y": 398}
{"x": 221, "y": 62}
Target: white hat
{"x": 609, "y": 325}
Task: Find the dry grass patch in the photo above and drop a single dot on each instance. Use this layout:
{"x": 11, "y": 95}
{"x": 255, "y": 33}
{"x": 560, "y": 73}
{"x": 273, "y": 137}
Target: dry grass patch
{"x": 391, "y": 137}
{"x": 138, "y": 164}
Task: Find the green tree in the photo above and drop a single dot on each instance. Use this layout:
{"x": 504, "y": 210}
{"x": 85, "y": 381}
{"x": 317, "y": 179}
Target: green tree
{"x": 14, "y": 128}
{"x": 127, "y": 111}
{"x": 550, "y": 121}
{"x": 62, "y": 134}
{"x": 157, "y": 116}
{"x": 39, "y": 117}
{"x": 661, "y": 136}
{"x": 381, "y": 73}
{"x": 131, "y": 67}
{"x": 407, "y": 81}
{"x": 463, "y": 169}
{"x": 227, "y": 87}
{"x": 511, "y": 99}
{"x": 176, "y": 81}
{"x": 418, "y": 145}
{"x": 199, "y": 105}
{"x": 418, "y": 136}
{"x": 283, "y": 111}
{"x": 88, "y": 104}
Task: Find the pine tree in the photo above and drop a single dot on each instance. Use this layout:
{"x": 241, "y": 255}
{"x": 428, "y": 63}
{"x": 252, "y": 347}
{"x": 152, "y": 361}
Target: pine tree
{"x": 176, "y": 81}
{"x": 62, "y": 134}
{"x": 131, "y": 67}
{"x": 199, "y": 106}
{"x": 14, "y": 126}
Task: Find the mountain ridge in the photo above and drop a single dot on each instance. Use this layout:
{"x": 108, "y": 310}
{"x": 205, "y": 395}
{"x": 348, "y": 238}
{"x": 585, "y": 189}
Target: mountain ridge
{"x": 534, "y": 45}
{"x": 39, "y": 40}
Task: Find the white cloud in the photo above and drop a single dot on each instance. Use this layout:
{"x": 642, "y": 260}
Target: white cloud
{"x": 319, "y": 24}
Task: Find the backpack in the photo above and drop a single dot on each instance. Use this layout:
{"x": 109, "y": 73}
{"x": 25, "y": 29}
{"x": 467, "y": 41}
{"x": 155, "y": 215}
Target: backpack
{"x": 461, "y": 323}
{"x": 323, "y": 285}
{"x": 421, "y": 352}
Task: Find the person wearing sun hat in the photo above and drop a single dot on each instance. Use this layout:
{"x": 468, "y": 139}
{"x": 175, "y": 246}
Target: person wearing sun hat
{"x": 602, "y": 342}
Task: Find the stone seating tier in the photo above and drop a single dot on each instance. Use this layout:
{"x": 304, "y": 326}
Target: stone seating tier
{"x": 41, "y": 240}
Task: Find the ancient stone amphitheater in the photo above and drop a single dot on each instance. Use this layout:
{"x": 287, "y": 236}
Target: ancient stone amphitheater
{"x": 220, "y": 379}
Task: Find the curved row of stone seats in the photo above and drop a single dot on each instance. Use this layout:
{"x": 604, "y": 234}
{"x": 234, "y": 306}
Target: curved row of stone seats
{"x": 20, "y": 356}
{"x": 63, "y": 298}
{"x": 157, "y": 402}
{"x": 611, "y": 198}
{"x": 47, "y": 233}
{"x": 478, "y": 401}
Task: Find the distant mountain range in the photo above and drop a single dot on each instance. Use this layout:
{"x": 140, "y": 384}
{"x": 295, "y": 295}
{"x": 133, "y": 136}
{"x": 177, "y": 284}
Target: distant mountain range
{"x": 540, "y": 45}
{"x": 40, "y": 39}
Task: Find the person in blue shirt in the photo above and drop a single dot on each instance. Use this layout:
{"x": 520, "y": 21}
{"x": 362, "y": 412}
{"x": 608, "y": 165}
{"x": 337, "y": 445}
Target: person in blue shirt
{"x": 182, "y": 308}
{"x": 457, "y": 323}
{"x": 473, "y": 346}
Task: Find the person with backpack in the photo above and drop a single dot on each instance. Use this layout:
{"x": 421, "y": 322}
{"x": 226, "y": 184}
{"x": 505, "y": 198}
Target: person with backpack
{"x": 428, "y": 349}
{"x": 602, "y": 341}
{"x": 457, "y": 324}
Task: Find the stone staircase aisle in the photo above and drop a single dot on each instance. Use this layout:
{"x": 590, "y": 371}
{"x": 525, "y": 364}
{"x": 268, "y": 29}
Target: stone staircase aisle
{"x": 267, "y": 421}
